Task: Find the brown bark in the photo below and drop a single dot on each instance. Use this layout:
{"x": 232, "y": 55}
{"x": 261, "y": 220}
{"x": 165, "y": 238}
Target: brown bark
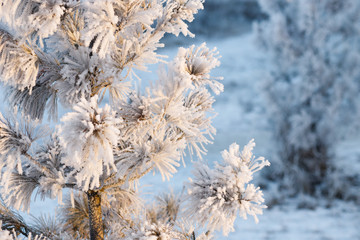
{"x": 95, "y": 215}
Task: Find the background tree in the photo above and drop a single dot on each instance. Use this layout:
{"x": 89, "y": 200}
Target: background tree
{"x": 78, "y": 53}
{"x": 312, "y": 86}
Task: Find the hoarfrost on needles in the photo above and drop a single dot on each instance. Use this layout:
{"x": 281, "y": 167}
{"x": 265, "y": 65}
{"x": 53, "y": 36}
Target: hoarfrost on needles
{"x": 88, "y": 136}
{"x": 217, "y": 195}
{"x": 195, "y": 64}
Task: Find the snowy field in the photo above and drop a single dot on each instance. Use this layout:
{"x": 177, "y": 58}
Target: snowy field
{"x": 241, "y": 117}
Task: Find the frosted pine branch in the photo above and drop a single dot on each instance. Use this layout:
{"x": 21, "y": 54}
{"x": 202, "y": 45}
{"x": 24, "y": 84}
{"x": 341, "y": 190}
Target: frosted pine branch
{"x": 8, "y": 235}
{"x": 95, "y": 127}
{"x": 217, "y": 195}
{"x": 19, "y": 63}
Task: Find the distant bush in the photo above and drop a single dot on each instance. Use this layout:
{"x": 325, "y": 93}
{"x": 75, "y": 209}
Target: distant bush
{"x": 313, "y": 85}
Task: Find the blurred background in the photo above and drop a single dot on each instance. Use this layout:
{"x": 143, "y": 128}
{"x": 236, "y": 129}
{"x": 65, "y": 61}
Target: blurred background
{"x": 291, "y": 73}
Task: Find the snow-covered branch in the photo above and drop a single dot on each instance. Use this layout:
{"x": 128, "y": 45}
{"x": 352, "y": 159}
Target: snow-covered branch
{"x": 218, "y": 195}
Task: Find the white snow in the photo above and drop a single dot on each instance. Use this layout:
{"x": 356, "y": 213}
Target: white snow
{"x": 289, "y": 223}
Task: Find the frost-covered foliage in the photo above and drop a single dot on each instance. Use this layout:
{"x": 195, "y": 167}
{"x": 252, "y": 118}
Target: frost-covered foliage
{"x": 155, "y": 231}
{"x": 78, "y": 53}
{"x": 88, "y": 137}
{"x": 218, "y": 195}
{"x": 8, "y": 235}
{"x": 313, "y": 84}
{"x": 19, "y": 62}
{"x": 163, "y": 220}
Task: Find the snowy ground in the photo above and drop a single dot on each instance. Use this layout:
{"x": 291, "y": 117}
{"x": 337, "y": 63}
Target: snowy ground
{"x": 289, "y": 223}
{"x": 241, "y": 118}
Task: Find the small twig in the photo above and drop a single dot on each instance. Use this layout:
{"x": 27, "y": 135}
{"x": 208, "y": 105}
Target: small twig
{"x": 123, "y": 180}
{"x": 70, "y": 185}
{"x": 42, "y": 168}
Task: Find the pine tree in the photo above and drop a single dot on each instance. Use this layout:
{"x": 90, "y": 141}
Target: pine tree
{"x": 78, "y": 53}
{"x": 312, "y": 85}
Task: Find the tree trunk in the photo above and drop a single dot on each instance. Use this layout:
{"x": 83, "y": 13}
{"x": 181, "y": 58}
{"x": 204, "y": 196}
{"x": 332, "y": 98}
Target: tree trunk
{"x": 95, "y": 216}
